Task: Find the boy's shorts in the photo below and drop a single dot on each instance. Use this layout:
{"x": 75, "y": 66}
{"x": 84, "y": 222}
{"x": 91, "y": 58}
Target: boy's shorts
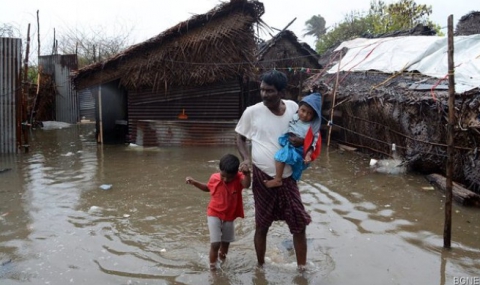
{"x": 220, "y": 231}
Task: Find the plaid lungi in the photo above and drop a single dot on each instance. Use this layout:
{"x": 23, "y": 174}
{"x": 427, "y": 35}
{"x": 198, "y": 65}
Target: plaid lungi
{"x": 282, "y": 203}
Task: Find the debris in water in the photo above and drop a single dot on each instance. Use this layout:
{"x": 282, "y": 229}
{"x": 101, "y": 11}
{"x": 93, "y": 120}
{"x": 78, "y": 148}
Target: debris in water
{"x": 430, "y": 188}
{"x": 54, "y": 125}
{"x": 106, "y": 186}
{"x": 94, "y": 209}
{"x": 5, "y": 170}
{"x": 388, "y": 166}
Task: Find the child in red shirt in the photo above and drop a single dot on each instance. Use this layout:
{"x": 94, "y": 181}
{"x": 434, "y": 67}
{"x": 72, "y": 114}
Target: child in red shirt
{"x": 225, "y": 205}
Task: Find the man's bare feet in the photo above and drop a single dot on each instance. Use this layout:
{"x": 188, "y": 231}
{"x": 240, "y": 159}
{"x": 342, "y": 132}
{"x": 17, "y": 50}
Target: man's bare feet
{"x": 275, "y": 182}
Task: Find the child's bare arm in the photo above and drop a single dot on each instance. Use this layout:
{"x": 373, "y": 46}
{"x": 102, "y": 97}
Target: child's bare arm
{"x": 199, "y": 185}
{"x": 308, "y": 156}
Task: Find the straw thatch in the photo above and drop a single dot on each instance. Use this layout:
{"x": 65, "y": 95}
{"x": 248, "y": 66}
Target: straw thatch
{"x": 284, "y": 48}
{"x": 218, "y": 45}
{"x": 468, "y": 25}
{"x": 284, "y": 52}
{"x": 378, "y": 110}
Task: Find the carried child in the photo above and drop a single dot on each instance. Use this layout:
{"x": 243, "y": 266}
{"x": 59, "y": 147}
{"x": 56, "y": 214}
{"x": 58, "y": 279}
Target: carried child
{"x": 225, "y": 204}
{"x": 305, "y": 124}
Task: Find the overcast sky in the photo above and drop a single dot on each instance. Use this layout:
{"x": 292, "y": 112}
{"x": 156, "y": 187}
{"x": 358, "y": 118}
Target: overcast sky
{"x": 144, "y": 19}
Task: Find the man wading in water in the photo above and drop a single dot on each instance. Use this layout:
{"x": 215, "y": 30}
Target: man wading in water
{"x": 263, "y": 123}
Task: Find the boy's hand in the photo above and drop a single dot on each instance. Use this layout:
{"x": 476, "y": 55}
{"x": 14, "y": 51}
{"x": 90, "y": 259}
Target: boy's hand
{"x": 189, "y": 180}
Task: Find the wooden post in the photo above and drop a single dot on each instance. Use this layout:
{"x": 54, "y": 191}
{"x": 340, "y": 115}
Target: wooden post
{"x": 447, "y": 230}
{"x": 332, "y": 108}
{"x": 100, "y": 122}
{"x": 300, "y": 87}
{"x": 100, "y": 115}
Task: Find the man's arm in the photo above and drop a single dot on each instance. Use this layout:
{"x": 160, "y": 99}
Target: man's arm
{"x": 242, "y": 148}
{"x": 247, "y": 180}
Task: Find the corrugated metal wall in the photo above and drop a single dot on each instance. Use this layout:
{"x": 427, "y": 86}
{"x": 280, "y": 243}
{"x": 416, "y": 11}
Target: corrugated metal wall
{"x": 10, "y": 92}
{"x": 114, "y": 112}
{"x": 185, "y": 132}
{"x": 87, "y": 104}
{"x": 214, "y": 102}
{"x": 66, "y": 101}
{"x": 212, "y": 113}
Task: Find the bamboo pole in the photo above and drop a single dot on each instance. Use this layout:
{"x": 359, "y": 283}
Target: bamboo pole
{"x": 24, "y": 100}
{"x": 39, "y": 70}
{"x": 34, "y": 106}
{"x": 447, "y": 230}
{"x": 332, "y": 108}
{"x": 38, "y": 32}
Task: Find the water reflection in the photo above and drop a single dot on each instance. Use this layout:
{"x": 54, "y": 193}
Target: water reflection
{"x": 59, "y": 226}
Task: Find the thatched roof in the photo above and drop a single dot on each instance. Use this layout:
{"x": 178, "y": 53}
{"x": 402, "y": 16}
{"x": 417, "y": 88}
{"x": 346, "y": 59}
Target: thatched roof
{"x": 284, "y": 52}
{"x": 301, "y": 51}
{"x": 468, "y": 25}
{"x": 210, "y": 47}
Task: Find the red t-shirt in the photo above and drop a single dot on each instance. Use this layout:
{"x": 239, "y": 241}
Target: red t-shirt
{"x": 226, "y": 201}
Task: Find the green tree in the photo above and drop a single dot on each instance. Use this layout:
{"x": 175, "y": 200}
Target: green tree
{"x": 315, "y": 26}
{"x": 352, "y": 26}
{"x": 381, "y": 18}
{"x": 402, "y": 15}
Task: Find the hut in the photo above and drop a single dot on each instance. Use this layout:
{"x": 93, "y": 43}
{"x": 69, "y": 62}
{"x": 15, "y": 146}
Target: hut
{"x": 389, "y": 98}
{"x": 469, "y": 24}
{"x": 286, "y": 53}
{"x": 187, "y": 85}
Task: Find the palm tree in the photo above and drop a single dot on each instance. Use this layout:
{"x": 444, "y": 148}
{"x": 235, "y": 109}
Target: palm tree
{"x": 315, "y": 26}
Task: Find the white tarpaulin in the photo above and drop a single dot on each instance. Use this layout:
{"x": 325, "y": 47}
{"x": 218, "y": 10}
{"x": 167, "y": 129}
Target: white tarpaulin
{"x": 425, "y": 54}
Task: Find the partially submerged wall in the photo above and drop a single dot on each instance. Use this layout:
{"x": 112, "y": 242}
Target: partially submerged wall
{"x": 414, "y": 119}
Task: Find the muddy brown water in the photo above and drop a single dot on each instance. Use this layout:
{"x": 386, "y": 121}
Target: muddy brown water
{"x": 58, "y": 226}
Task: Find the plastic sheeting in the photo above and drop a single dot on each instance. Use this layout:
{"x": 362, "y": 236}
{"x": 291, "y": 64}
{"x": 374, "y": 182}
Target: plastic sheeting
{"x": 425, "y": 54}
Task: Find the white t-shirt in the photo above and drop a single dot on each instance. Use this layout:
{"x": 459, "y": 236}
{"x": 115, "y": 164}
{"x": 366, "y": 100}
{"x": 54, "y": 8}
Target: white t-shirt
{"x": 263, "y": 128}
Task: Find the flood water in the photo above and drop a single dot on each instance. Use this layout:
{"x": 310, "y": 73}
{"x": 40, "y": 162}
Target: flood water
{"x": 58, "y": 226}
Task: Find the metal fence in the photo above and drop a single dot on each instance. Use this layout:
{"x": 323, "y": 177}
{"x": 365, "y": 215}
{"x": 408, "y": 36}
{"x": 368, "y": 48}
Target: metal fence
{"x": 10, "y": 92}
{"x": 66, "y": 101}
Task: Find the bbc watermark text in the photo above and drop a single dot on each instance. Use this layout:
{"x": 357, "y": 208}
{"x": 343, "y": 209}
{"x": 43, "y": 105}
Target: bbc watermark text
{"x": 466, "y": 280}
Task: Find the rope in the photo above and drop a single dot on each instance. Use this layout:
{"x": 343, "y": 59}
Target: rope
{"x": 389, "y": 129}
